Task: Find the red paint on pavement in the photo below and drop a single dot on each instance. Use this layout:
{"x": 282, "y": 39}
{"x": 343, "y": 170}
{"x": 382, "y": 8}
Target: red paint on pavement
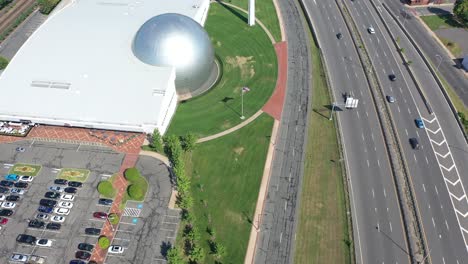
{"x": 274, "y": 106}
{"x": 120, "y": 184}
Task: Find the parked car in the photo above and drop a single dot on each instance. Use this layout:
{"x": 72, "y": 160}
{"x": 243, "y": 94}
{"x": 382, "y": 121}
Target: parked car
{"x": 419, "y": 123}
{"x": 6, "y": 183}
{"x": 17, "y": 191}
{"x": 85, "y": 247}
{"x": 44, "y": 242}
{"x": 92, "y": 231}
{"x": 105, "y": 201}
{"x": 11, "y": 177}
{"x": 45, "y": 209}
{"x": 48, "y": 202}
{"x": 57, "y": 219}
{"x": 8, "y": 205}
{"x": 42, "y": 216}
{"x": 52, "y": 195}
{"x": 36, "y": 224}
{"x": 21, "y": 185}
{"x": 62, "y": 211}
{"x": 70, "y": 190}
{"x": 68, "y": 197}
{"x": 68, "y": 205}
{"x": 12, "y": 198}
{"x": 26, "y": 178}
{"x": 77, "y": 261}
{"x": 36, "y": 260}
{"x": 19, "y": 257}
{"x": 56, "y": 189}
{"x": 3, "y": 221}
{"x": 82, "y": 255}
{"x": 60, "y": 181}
{"x": 53, "y": 226}
{"x": 26, "y": 239}
{"x": 100, "y": 215}
{"x": 4, "y": 190}
{"x": 6, "y": 212}
{"x": 414, "y": 143}
{"x": 115, "y": 249}
{"x": 75, "y": 184}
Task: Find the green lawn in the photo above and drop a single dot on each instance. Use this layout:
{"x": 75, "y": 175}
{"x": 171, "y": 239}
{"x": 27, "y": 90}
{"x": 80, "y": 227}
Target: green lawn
{"x": 79, "y": 175}
{"x": 454, "y": 47}
{"x": 25, "y": 169}
{"x": 226, "y": 175}
{"x": 248, "y": 59}
{"x": 322, "y": 235}
{"x": 435, "y": 22}
{"x": 265, "y": 11}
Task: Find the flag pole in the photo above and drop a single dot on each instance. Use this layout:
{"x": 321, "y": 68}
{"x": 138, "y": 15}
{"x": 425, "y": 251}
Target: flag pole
{"x": 242, "y": 104}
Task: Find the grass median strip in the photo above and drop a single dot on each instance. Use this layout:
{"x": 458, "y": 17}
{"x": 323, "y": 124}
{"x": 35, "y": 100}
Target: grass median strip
{"x": 322, "y": 234}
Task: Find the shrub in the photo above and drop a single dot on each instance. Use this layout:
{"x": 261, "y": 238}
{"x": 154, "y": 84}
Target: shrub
{"x": 3, "y": 63}
{"x": 132, "y": 174}
{"x": 156, "y": 141}
{"x": 106, "y": 189}
{"x": 174, "y": 256}
{"x": 135, "y": 192}
{"x": 113, "y": 218}
{"x": 103, "y": 242}
{"x": 189, "y": 141}
{"x": 46, "y": 6}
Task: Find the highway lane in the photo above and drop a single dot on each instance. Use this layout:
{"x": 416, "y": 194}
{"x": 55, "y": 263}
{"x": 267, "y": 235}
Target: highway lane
{"x": 373, "y": 194}
{"x": 446, "y": 244}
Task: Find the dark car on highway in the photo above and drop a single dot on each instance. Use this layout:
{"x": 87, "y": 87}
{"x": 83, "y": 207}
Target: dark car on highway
{"x": 392, "y": 77}
{"x": 47, "y": 202}
{"x": 53, "y": 195}
{"x": 45, "y": 209}
{"x": 82, "y": 255}
{"x": 12, "y": 198}
{"x": 21, "y": 185}
{"x": 70, "y": 190}
{"x": 75, "y": 184}
{"x": 105, "y": 201}
{"x": 26, "y": 239}
{"x": 36, "y": 224}
{"x": 6, "y": 212}
{"x": 5, "y": 183}
{"x": 85, "y": 247}
{"x": 414, "y": 143}
{"x": 60, "y": 181}
{"x": 92, "y": 231}
{"x": 53, "y": 226}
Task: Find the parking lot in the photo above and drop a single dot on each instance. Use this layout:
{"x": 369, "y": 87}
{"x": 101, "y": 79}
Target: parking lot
{"x": 145, "y": 230}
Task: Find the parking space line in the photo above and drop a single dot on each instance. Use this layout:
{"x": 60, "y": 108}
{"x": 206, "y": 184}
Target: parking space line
{"x": 127, "y": 223}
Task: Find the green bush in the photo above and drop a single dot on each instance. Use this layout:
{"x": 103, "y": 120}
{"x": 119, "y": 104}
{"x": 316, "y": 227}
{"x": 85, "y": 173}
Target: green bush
{"x": 46, "y": 6}
{"x": 3, "y": 62}
{"x": 113, "y": 218}
{"x": 106, "y": 189}
{"x": 135, "y": 192}
{"x": 132, "y": 174}
{"x": 103, "y": 242}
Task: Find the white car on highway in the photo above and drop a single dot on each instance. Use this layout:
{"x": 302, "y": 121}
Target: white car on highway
{"x": 62, "y": 211}
{"x": 8, "y": 205}
{"x": 65, "y": 205}
{"x": 58, "y": 219}
{"x": 68, "y": 197}
{"x": 44, "y": 242}
{"x": 371, "y": 30}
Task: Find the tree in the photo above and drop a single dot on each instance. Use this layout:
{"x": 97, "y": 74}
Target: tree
{"x": 460, "y": 10}
{"x": 46, "y": 6}
{"x": 189, "y": 141}
{"x": 103, "y": 242}
{"x": 173, "y": 148}
{"x": 174, "y": 256}
{"x": 185, "y": 200}
{"x": 218, "y": 250}
{"x": 196, "y": 254}
{"x": 156, "y": 141}
{"x": 3, "y": 63}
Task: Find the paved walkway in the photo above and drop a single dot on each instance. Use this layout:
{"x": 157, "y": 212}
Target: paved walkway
{"x": 120, "y": 184}
{"x": 156, "y": 155}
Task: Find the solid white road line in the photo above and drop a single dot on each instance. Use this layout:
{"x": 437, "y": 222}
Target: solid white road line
{"x": 391, "y": 229}
{"x": 424, "y": 187}
{"x": 384, "y": 193}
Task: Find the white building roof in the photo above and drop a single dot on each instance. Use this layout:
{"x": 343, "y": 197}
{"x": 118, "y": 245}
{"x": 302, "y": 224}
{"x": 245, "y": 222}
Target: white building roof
{"x": 79, "y": 65}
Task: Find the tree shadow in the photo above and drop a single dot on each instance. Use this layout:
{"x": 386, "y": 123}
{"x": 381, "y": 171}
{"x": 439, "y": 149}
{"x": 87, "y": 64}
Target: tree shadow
{"x": 438, "y": 11}
{"x": 165, "y": 246}
{"x": 241, "y": 16}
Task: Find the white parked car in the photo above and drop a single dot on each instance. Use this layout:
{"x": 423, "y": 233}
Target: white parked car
{"x": 62, "y": 211}
{"x": 44, "y": 242}
{"x": 371, "y": 30}
{"x": 19, "y": 258}
{"x": 25, "y": 178}
{"x": 8, "y": 205}
{"x": 65, "y": 205}
{"x": 2, "y": 197}
{"x": 58, "y": 219}
{"x": 68, "y": 197}
{"x": 17, "y": 191}
{"x": 115, "y": 249}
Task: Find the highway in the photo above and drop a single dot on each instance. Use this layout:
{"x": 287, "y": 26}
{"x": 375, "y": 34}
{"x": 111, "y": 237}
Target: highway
{"x": 377, "y": 223}
{"x": 429, "y": 171}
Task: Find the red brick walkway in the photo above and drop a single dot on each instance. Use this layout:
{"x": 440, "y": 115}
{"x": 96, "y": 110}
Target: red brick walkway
{"x": 120, "y": 184}
{"x": 274, "y": 106}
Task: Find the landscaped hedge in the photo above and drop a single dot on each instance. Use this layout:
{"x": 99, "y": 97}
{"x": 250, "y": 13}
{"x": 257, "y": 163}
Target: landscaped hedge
{"x": 103, "y": 242}
{"x": 3, "y": 62}
{"x": 135, "y": 192}
{"x": 132, "y": 174}
{"x": 106, "y": 189}
{"x": 138, "y": 186}
{"x": 113, "y": 218}
{"x": 46, "y": 6}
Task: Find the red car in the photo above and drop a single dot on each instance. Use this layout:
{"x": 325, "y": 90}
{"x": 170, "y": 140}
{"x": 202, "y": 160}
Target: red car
{"x": 100, "y": 215}
{"x": 3, "y": 221}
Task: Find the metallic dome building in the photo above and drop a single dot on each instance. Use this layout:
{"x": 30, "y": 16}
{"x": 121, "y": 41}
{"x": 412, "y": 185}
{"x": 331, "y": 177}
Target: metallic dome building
{"x": 176, "y": 40}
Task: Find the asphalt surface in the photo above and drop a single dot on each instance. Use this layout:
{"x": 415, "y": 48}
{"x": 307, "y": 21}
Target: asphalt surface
{"x": 377, "y": 224}
{"x": 428, "y": 172}
{"x": 275, "y": 242}
{"x": 432, "y": 50}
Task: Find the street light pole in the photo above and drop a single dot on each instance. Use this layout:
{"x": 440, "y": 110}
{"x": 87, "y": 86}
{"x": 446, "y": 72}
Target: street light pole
{"x": 333, "y": 109}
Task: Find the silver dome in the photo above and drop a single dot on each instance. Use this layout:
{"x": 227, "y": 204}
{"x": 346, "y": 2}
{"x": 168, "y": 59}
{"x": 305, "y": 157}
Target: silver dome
{"x": 179, "y": 41}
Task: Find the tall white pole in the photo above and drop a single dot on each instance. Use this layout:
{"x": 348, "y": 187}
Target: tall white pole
{"x": 242, "y": 104}
{"x": 251, "y": 12}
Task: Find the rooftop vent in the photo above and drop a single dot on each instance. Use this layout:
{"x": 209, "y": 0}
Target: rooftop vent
{"x": 49, "y": 84}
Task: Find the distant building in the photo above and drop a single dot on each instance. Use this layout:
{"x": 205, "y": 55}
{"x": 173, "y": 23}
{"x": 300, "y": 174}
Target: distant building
{"x": 465, "y": 63}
